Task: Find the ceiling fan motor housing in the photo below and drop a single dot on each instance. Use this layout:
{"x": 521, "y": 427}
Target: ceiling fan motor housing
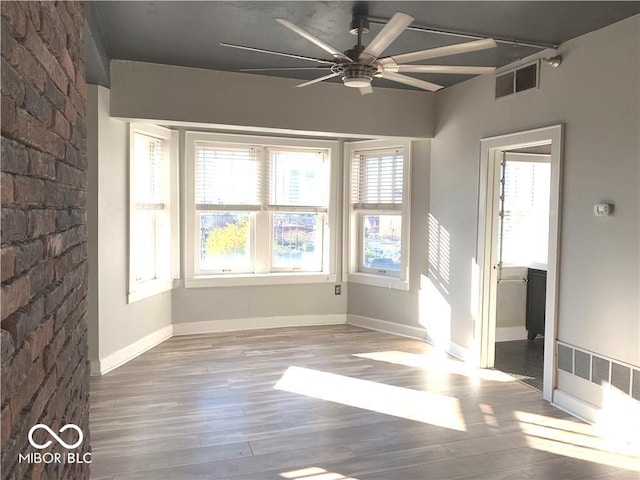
{"x": 356, "y": 75}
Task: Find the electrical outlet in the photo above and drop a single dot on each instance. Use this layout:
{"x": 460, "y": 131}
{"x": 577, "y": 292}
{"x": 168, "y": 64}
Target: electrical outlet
{"x": 338, "y": 289}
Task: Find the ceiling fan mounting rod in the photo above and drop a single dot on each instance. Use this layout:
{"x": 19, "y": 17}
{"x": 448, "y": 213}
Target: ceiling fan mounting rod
{"x": 418, "y": 28}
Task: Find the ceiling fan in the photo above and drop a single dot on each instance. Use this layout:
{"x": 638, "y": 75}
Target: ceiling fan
{"x": 361, "y": 64}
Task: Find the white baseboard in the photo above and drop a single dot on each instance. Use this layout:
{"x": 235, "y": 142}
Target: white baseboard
{"x": 507, "y": 334}
{"x": 131, "y": 351}
{"x": 387, "y": 327}
{"x": 254, "y": 323}
{"x": 621, "y": 420}
{"x": 575, "y": 406}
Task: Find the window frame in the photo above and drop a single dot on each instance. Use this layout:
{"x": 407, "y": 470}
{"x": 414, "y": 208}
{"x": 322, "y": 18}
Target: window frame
{"x": 354, "y": 270}
{"x": 167, "y": 258}
{"x": 515, "y": 158}
{"x": 264, "y": 273}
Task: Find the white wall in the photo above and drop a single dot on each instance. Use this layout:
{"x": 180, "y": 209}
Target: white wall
{"x": 595, "y": 94}
{"x": 114, "y": 325}
{"x": 169, "y": 93}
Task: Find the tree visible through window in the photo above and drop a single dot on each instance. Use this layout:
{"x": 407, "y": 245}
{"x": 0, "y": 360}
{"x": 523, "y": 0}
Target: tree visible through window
{"x": 251, "y": 196}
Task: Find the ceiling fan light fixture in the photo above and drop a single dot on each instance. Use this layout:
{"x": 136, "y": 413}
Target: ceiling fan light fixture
{"x": 356, "y": 82}
{"x": 356, "y": 75}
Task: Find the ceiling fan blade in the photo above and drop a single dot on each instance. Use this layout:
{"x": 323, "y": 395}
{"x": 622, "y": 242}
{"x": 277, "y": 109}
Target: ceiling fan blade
{"x": 313, "y": 39}
{"x": 283, "y": 68}
{"x": 317, "y": 80}
{"x": 398, "y": 23}
{"x": 444, "y": 69}
{"x": 366, "y": 90}
{"x": 414, "y": 82}
{"x": 282, "y": 54}
{"x": 444, "y": 51}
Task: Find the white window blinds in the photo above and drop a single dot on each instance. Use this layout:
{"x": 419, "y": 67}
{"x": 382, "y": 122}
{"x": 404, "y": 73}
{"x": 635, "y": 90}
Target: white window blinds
{"x": 526, "y": 212}
{"x": 148, "y": 177}
{"x": 227, "y": 177}
{"x": 298, "y": 178}
{"x": 378, "y": 179}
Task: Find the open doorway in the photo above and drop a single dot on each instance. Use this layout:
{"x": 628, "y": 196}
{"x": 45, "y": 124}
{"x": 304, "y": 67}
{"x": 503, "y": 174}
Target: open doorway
{"x": 502, "y": 263}
{"x": 523, "y": 232}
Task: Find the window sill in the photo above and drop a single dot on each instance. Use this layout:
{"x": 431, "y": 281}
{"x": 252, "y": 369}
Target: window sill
{"x": 243, "y": 280}
{"x": 374, "y": 280}
{"x": 151, "y": 289}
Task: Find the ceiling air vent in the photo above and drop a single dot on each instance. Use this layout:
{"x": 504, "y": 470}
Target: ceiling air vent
{"x": 518, "y": 80}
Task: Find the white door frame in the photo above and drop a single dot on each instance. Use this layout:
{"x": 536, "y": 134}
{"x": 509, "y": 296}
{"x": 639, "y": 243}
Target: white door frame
{"x": 490, "y": 156}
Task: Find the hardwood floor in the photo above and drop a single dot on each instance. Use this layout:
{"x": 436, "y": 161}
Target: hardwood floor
{"x": 331, "y": 403}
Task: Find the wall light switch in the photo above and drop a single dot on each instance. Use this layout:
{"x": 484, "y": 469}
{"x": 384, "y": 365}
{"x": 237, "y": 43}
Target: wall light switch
{"x": 602, "y": 209}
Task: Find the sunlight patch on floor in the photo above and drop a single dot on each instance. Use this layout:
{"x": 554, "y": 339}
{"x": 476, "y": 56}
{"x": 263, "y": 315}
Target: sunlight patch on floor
{"x": 438, "y": 364}
{"x": 576, "y": 440}
{"x": 425, "y": 407}
{"x": 314, "y": 473}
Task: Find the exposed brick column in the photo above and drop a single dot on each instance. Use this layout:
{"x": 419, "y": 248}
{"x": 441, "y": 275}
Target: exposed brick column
{"x": 45, "y": 371}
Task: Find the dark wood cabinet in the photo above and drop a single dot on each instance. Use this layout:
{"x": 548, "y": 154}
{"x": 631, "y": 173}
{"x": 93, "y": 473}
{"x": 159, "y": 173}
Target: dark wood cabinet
{"x": 536, "y": 302}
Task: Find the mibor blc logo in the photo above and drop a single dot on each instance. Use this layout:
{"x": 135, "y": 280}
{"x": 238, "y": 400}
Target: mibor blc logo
{"x": 55, "y": 457}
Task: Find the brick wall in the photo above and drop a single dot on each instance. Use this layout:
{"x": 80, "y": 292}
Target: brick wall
{"x": 43, "y": 233}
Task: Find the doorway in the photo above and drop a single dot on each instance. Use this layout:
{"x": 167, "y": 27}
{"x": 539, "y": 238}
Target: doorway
{"x": 523, "y": 229}
{"x": 490, "y": 252}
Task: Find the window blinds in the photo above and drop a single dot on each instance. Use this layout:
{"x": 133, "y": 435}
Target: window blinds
{"x": 377, "y": 178}
{"x": 227, "y": 177}
{"x": 148, "y": 178}
{"x": 297, "y": 178}
{"x": 526, "y": 212}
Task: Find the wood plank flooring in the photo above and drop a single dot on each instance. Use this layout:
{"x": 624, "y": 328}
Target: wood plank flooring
{"x": 331, "y": 403}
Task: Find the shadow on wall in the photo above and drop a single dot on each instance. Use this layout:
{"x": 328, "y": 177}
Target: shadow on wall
{"x": 434, "y": 307}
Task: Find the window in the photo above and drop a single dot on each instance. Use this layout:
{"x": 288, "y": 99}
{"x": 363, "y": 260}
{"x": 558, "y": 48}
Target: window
{"x": 379, "y": 213}
{"x": 153, "y": 212}
{"x": 228, "y": 182}
{"x": 525, "y": 226}
{"x": 259, "y": 210}
{"x": 299, "y": 191}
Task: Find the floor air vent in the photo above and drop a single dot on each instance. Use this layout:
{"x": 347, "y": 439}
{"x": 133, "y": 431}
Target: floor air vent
{"x": 518, "y": 80}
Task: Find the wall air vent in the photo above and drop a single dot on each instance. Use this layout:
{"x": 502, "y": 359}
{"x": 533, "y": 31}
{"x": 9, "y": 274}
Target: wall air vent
{"x": 518, "y": 80}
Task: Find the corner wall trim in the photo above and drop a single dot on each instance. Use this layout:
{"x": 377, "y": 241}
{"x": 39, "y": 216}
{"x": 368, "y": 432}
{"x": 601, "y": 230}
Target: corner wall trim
{"x": 387, "y": 327}
{"x": 131, "y": 351}
{"x": 214, "y": 326}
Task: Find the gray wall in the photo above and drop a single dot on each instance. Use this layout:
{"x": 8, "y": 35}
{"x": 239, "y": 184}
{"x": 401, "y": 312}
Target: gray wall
{"x": 163, "y": 92}
{"x": 397, "y": 305}
{"x": 115, "y": 324}
{"x": 225, "y": 303}
{"x": 167, "y": 93}
{"x": 595, "y": 93}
